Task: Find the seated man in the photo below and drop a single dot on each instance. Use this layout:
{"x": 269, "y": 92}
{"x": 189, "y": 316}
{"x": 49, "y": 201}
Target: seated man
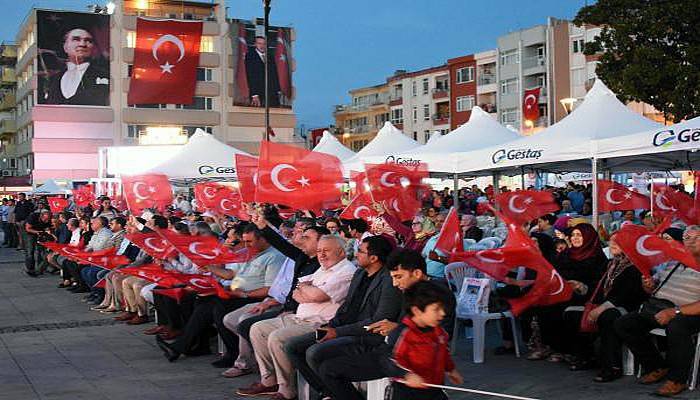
{"x": 371, "y": 298}
{"x": 250, "y": 283}
{"x": 407, "y": 267}
{"x": 680, "y": 289}
{"x": 90, "y": 273}
{"x": 101, "y": 239}
{"x": 319, "y": 296}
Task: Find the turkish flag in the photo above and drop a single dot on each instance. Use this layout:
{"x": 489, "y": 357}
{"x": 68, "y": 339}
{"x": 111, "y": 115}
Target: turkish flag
{"x": 531, "y": 109}
{"x": 205, "y": 194}
{"x": 282, "y": 64}
{"x": 228, "y": 202}
{"x": 165, "y": 61}
{"x": 360, "y": 207}
{"x": 205, "y": 250}
{"x": 391, "y": 180}
{"x": 247, "y": 172}
{"x": 451, "y": 239}
{"x": 615, "y": 196}
{"x": 404, "y": 206}
{"x": 156, "y": 273}
{"x": 147, "y": 191}
{"x": 647, "y": 250}
{"x": 668, "y": 201}
{"x": 152, "y": 244}
{"x": 298, "y": 178}
{"x": 107, "y": 259}
{"x": 360, "y": 184}
{"x": 243, "y": 92}
{"x": 524, "y": 206}
{"x": 57, "y": 204}
{"x": 84, "y": 195}
{"x": 118, "y": 202}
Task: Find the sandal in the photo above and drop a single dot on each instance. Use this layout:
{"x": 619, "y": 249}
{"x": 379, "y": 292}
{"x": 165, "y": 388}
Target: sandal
{"x": 555, "y": 358}
{"x": 539, "y": 354}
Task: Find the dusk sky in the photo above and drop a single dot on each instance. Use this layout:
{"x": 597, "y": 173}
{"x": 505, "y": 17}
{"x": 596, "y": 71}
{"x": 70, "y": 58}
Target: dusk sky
{"x": 348, "y": 44}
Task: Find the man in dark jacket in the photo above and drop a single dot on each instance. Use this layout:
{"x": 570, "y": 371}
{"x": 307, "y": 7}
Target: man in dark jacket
{"x": 255, "y": 72}
{"x": 23, "y": 208}
{"x": 371, "y": 298}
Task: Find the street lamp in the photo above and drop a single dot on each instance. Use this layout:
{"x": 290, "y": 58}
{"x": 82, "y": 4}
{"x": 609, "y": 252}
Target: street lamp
{"x": 568, "y": 104}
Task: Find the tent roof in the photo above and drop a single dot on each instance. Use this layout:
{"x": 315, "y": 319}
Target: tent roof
{"x": 664, "y": 148}
{"x": 482, "y": 130}
{"x": 566, "y": 145}
{"x": 329, "y": 144}
{"x": 50, "y": 187}
{"x": 434, "y": 137}
{"x": 202, "y": 157}
{"x": 388, "y": 142}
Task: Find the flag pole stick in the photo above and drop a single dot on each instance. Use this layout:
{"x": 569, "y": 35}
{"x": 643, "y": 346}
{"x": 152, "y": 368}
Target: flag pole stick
{"x": 482, "y": 392}
{"x": 266, "y": 4}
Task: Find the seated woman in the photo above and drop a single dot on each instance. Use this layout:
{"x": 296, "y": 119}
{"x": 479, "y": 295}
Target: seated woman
{"x": 581, "y": 265}
{"x": 470, "y": 230}
{"x": 415, "y": 237}
{"x": 619, "y": 292}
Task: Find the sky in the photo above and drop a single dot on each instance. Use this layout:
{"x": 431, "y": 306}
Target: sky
{"x": 343, "y": 45}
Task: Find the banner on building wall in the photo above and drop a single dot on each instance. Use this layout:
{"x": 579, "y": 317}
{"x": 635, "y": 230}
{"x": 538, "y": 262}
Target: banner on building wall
{"x": 73, "y": 58}
{"x": 531, "y": 100}
{"x": 249, "y": 47}
{"x": 165, "y": 62}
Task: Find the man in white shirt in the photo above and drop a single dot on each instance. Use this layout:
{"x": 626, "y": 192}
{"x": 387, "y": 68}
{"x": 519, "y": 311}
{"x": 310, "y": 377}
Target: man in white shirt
{"x": 319, "y": 296}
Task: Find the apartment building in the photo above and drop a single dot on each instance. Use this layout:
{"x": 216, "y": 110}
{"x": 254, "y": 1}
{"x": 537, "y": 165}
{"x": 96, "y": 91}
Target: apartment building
{"x": 463, "y": 85}
{"x": 357, "y": 123}
{"x": 486, "y": 82}
{"x": 537, "y": 57}
{"x": 8, "y": 84}
{"x": 62, "y": 141}
{"x": 422, "y": 99}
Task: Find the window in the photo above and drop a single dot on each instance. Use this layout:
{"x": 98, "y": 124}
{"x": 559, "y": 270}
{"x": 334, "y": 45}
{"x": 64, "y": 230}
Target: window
{"x": 465, "y": 74}
{"x": 465, "y": 103}
{"x": 509, "y": 116}
{"x": 541, "y": 52}
{"x": 191, "y": 129}
{"x": 204, "y": 74}
{"x": 188, "y": 16}
{"x": 207, "y": 44}
{"x": 426, "y": 136}
{"x": 444, "y": 131}
{"x": 415, "y": 113}
{"x": 129, "y": 70}
{"x": 578, "y": 77}
{"x": 198, "y": 103}
{"x": 414, "y": 88}
{"x": 132, "y": 131}
{"x": 577, "y": 46}
{"x": 426, "y": 111}
{"x": 397, "y": 116}
{"x": 156, "y": 106}
{"x": 426, "y": 85}
{"x": 509, "y": 86}
{"x": 541, "y": 81}
{"x": 13, "y": 163}
{"x": 131, "y": 39}
{"x": 415, "y": 135}
{"x": 510, "y": 57}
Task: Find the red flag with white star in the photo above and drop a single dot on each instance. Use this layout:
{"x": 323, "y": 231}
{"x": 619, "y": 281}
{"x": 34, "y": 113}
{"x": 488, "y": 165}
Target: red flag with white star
{"x": 84, "y": 195}
{"x": 152, "y": 244}
{"x": 388, "y": 181}
{"x": 282, "y": 64}
{"x": 360, "y": 207}
{"x": 615, "y": 196}
{"x": 247, "y": 172}
{"x": 647, "y": 250}
{"x": 165, "y": 61}
{"x": 526, "y": 205}
{"x": 57, "y": 204}
{"x": 298, "y": 178}
{"x": 450, "y": 239}
{"x": 147, "y": 191}
{"x": 205, "y": 250}
{"x": 531, "y": 109}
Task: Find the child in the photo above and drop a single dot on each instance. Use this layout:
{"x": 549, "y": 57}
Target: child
{"x": 421, "y": 354}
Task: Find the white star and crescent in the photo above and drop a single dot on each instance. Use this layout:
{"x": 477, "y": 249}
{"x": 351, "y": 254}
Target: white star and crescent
{"x": 167, "y": 67}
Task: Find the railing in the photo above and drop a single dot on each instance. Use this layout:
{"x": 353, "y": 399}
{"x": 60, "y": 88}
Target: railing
{"x": 537, "y": 61}
{"x": 7, "y": 126}
{"x": 487, "y": 79}
{"x": 351, "y": 108}
{"x": 489, "y": 107}
{"x": 8, "y": 75}
{"x": 439, "y": 90}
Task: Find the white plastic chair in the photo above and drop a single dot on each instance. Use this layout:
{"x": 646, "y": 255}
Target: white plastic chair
{"x": 468, "y": 243}
{"x": 500, "y": 232}
{"x": 492, "y": 242}
{"x": 629, "y": 366}
{"x": 455, "y": 274}
{"x": 487, "y": 231}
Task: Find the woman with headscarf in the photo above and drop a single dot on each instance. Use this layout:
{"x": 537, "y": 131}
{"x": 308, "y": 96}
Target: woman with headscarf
{"x": 581, "y": 265}
{"x": 469, "y": 228}
{"x": 619, "y": 291}
{"x": 415, "y": 237}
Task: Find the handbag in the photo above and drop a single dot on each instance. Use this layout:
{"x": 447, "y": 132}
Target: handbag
{"x": 586, "y": 325}
{"x": 653, "y": 305}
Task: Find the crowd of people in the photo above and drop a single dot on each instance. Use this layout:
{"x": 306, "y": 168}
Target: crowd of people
{"x": 343, "y": 301}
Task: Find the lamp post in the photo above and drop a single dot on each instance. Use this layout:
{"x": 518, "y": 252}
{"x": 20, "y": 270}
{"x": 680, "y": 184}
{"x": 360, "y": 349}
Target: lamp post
{"x": 266, "y": 7}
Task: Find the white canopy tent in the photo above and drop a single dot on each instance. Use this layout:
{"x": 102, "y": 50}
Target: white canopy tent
{"x": 434, "y": 137}
{"x": 666, "y": 148}
{"x": 50, "y": 187}
{"x": 203, "y": 157}
{"x": 480, "y": 131}
{"x": 565, "y": 146}
{"x": 386, "y": 145}
{"x": 329, "y": 144}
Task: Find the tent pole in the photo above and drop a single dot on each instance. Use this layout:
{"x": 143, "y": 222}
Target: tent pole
{"x": 455, "y": 192}
{"x": 594, "y": 195}
{"x": 522, "y": 178}
{"x": 496, "y": 187}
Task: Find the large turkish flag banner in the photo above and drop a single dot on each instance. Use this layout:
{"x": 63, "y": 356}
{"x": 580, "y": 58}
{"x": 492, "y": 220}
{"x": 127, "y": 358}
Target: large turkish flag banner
{"x": 531, "y": 99}
{"x": 165, "y": 61}
{"x": 298, "y": 178}
{"x": 616, "y": 196}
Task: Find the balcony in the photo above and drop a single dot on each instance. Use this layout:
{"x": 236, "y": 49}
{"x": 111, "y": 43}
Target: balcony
{"x": 534, "y": 62}
{"x": 8, "y": 52}
{"x": 489, "y": 107}
{"x": 7, "y": 101}
{"x": 356, "y": 129}
{"x": 441, "y": 119}
{"x": 395, "y": 100}
{"x": 350, "y": 108}
{"x": 7, "y": 127}
{"x": 7, "y": 76}
{"x": 440, "y": 92}
{"x": 486, "y": 79}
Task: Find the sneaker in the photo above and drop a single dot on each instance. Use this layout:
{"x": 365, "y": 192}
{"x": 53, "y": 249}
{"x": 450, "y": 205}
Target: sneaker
{"x": 257, "y": 389}
{"x": 234, "y": 372}
{"x": 671, "y": 388}
{"x": 653, "y": 376}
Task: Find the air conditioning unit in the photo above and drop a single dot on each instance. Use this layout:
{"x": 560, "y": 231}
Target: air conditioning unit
{"x": 6, "y": 173}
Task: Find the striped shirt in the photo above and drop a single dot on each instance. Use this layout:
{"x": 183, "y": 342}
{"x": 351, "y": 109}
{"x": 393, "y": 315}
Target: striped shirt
{"x": 682, "y": 288}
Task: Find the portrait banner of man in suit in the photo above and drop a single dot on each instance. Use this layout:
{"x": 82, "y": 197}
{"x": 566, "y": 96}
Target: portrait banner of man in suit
{"x": 249, "y": 48}
{"x": 73, "y": 54}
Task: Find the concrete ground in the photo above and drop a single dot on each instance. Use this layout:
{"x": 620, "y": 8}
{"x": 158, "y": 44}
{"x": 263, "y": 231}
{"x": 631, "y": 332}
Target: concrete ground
{"x": 53, "y": 347}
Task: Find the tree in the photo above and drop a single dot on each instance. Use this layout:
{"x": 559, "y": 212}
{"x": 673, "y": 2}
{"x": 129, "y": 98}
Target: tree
{"x": 649, "y": 51}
